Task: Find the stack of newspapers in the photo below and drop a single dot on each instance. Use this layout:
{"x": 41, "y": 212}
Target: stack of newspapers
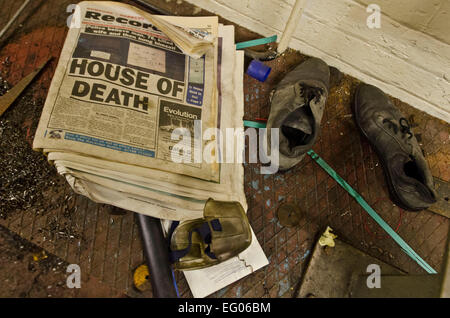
{"x": 136, "y": 116}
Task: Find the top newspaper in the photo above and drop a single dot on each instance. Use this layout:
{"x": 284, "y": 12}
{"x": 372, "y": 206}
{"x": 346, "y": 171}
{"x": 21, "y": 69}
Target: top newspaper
{"x": 122, "y": 86}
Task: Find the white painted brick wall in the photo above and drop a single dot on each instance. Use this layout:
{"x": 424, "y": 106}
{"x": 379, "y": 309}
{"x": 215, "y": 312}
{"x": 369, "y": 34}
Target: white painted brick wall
{"x": 400, "y": 58}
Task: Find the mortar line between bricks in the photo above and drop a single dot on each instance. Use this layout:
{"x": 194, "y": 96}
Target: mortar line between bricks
{"x": 83, "y": 236}
{"x": 37, "y": 41}
{"x": 411, "y": 223}
{"x": 92, "y": 244}
{"x": 432, "y": 232}
{"x": 33, "y": 223}
{"x": 328, "y": 208}
{"x": 408, "y": 218}
{"x": 294, "y": 192}
{"x": 106, "y": 248}
{"x": 28, "y": 53}
{"x": 45, "y": 27}
{"x": 314, "y": 167}
{"x": 45, "y": 223}
{"x": 347, "y": 207}
{"x": 116, "y": 258}
{"x": 424, "y": 223}
{"x": 445, "y": 238}
{"x": 71, "y": 227}
{"x": 33, "y": 226}
{"x": 353, "y": 160}
{"x": 265, "y": 242}
{"x": 409, "y": 263}
{"x": 58, "y": 220}
{"x": 130, "y": 270}
{"x": 21, "y": 222}
{"x": 15, "y": 60}
{"x": 365, "y": 171}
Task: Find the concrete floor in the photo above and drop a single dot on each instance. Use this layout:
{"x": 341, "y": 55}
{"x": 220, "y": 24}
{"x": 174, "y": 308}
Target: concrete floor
{"x": 73, "y": 230}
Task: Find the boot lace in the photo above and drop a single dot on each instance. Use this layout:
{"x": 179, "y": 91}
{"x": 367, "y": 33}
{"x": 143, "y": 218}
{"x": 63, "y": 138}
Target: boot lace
{"x": 403, "y": 126}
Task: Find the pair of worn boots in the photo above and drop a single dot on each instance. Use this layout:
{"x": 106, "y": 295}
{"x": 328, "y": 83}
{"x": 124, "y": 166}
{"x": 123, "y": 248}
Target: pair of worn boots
{"x": 296, "y": 110}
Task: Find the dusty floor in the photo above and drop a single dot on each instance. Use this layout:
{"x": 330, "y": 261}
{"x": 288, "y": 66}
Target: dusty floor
{"x": 37, "y": 205}
{"x": 27, "y": 270}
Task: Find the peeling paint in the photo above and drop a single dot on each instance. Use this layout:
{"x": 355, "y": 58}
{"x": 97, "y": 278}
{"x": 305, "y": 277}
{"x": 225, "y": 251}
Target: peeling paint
{"x": 284, "y": 286}
{"x": 279, "y": 178}
{"x": 304, "y": 256}
{"x": 239, "y": 292}
{"x": 222, "y": 292}
{"x": 286, "y": 264}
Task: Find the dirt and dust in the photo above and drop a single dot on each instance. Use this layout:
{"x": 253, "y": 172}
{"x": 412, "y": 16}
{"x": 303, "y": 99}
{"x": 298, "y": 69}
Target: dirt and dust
{"x": 27, "y": 180}
{"x": 26, "y": 176}
{"x": 4, "y": 86}
{"x": 28, "y": 271}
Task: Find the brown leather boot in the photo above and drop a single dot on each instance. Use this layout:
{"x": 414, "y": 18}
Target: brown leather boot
{"x": 221, "y": 234}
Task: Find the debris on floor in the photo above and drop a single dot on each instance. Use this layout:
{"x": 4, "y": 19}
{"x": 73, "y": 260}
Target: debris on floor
{"x": 28, "y": 271}
{"x": 25, "y": 176}
{"x": 330, "y": 271}
{"x": 327, "y": 238}
{"x": 4, "y": 86}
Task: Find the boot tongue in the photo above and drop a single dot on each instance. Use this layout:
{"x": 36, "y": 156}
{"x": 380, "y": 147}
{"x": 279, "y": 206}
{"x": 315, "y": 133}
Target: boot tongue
{"x": 298, "y": 127}
{"x": 302, "y": 118}
{"x": 299, "y": 120}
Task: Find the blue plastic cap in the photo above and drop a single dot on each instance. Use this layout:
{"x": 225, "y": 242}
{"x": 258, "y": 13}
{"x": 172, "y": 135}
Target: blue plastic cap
{"x": 258, "y": 70}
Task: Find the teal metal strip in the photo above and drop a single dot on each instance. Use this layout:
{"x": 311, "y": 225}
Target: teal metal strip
{"x": 406, "y": 248}
{"x": 254, "y": 124}
{"x": 243, "y": 45}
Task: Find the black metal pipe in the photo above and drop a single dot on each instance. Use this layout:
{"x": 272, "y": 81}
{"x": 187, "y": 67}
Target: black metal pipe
{"x": 157, "y": 255}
